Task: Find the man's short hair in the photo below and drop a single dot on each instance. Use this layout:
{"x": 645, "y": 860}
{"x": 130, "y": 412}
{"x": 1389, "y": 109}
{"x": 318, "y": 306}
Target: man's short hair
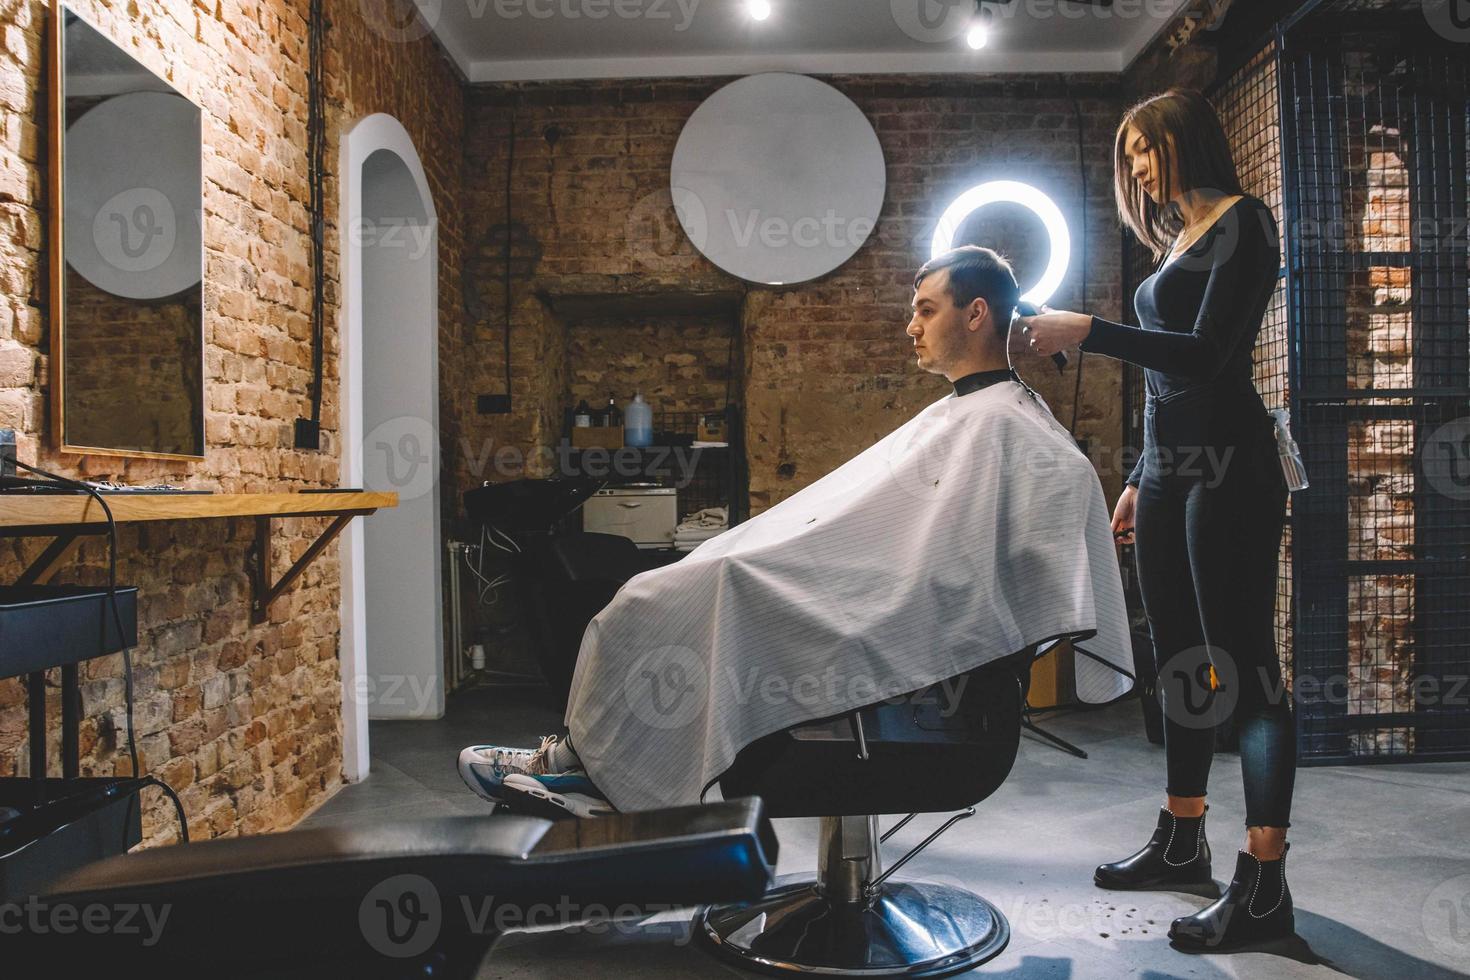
{"x": 978, "y": 271}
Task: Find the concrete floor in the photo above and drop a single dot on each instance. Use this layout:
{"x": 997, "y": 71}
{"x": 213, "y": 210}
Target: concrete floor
{"x": 1379, "y": 867}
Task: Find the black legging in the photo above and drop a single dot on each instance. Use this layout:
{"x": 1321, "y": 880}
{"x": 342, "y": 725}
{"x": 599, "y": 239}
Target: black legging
{"x": 1207, "y": 538}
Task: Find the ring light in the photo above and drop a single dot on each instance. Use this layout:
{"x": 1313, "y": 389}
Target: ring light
{"x": 1012, "y": 192}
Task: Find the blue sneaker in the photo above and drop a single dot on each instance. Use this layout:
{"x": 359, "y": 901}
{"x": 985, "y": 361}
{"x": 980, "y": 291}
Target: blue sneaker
{"x": 484, "y": 767}
{"x": 555, "y": 795}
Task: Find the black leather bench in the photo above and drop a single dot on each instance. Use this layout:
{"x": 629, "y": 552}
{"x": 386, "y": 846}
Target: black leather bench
{"x": 411, "y": 899}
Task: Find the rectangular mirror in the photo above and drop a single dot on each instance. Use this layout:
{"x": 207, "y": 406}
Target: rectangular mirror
{"x": 126, "y": 253}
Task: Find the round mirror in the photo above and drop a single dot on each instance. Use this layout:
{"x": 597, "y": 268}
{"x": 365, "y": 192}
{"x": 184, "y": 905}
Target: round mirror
{"x": 778, "y": 178}
{"x": 132, "y": 195}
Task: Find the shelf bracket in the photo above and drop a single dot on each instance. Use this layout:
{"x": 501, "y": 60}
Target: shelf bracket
{"x": 263, "y": 591}
{"x": 47, "y": 563}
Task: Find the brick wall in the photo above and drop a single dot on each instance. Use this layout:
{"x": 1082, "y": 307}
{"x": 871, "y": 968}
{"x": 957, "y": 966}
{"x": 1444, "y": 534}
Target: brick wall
{"x": 244, "y": 721}
{"x": 827, "y": 367}
{"x": 678, "y": 364}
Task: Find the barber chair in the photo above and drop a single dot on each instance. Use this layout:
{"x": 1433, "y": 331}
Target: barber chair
{"x": 570, "y": 579}
{"x": 931, "y": 753}
{"x": 413, "y": 899}
{"x": 528, "y": 507}
{"x": 565, "y": 578}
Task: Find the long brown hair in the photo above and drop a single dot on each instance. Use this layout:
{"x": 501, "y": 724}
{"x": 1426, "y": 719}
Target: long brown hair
{"x": 1184, "y": 119}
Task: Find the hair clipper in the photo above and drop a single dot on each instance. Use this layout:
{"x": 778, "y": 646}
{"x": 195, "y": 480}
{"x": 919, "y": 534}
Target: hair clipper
{"x": 1024, "y": 308}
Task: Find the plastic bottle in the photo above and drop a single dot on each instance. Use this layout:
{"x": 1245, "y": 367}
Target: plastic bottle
{"x": 639, "y": 422}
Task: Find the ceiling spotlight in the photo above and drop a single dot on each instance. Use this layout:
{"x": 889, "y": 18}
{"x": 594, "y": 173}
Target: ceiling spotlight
{"x": 759, "y": 9}
{"x": 979, "y": 32}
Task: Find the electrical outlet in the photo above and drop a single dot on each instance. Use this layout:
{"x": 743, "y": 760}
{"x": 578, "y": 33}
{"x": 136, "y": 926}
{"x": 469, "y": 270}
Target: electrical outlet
{"x": 7, "y": 452}
{"x": 308, "y": 434}
{"x": 492, "y": 404}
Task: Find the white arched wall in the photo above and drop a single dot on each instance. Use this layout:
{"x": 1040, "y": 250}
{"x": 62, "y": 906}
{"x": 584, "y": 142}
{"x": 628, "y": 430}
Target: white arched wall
{"x": 392, "y": 657}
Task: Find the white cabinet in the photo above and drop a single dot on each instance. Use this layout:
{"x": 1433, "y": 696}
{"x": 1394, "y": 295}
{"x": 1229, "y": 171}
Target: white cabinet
{"x": 647, "y": 515}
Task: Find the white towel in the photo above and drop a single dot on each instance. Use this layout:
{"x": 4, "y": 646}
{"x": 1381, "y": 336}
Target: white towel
{"x": 972, "y": 531}
{"x": 716, "y": 517}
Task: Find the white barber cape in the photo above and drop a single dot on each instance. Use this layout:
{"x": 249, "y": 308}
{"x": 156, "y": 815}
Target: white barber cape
{"x": 972, "y": 531}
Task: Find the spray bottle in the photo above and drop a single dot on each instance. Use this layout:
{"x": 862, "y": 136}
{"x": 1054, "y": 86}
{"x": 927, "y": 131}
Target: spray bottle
{"x": 1286, "y": 448}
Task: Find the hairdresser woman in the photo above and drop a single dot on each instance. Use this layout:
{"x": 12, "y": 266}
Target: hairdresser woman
{"x": 1206, "y": 504}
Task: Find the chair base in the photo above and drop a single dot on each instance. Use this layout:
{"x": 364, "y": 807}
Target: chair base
{"x": 912, "y": 929}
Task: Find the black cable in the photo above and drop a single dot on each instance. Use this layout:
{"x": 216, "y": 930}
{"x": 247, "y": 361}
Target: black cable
{"x": 178, "y": 804}
{"x": 316, "y": 142}
{"x": 510, "y": 166}
{"x": 1082, "y": 173}
{"x": 121, "y": 635}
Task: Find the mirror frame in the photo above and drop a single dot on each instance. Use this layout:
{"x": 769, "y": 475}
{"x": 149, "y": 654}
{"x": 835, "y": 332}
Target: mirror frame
{"x": 56, "y": 243}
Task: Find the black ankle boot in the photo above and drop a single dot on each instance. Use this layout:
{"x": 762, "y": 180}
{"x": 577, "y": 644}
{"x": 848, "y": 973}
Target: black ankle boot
{"x": 1255, "y": 908}
{"x": 1177, "y": 854}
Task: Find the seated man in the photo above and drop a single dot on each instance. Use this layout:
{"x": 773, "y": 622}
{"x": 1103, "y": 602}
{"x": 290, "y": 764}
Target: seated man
{"x": 973, "y": 531}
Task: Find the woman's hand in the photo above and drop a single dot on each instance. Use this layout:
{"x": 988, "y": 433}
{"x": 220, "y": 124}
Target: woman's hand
{"x": 1051, "y": 330}
{"x": 1123, "y": 515}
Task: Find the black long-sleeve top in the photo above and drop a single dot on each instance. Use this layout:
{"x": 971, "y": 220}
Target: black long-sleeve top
{"x": 1201, "y": 312}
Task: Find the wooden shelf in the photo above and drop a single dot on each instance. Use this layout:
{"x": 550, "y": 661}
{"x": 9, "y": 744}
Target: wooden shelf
{"x": 32, "y": 513}
{"x": 66, "y": 517}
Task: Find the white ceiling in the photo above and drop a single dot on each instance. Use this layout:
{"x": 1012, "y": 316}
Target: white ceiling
{"x": 511, "y": 40}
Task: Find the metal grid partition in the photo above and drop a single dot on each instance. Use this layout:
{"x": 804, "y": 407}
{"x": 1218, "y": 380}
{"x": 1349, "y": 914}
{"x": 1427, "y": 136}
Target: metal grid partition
{"x": 1375, "y": 132}
{"x": 710, "y": 479}
{"x": 1248, "y": 103}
